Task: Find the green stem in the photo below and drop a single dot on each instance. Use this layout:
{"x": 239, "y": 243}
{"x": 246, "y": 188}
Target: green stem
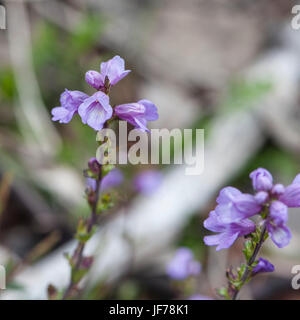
{"x": 247, "y": 272}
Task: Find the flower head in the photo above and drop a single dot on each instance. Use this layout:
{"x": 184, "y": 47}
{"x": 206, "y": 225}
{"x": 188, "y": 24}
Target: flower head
{"x": 69, "y": 101}
{"x": 228, "y": 231}
{"x": 262, "y": 179}
{"x": 263, "y": 265}
{"x": 113, "y": 70}
{"x": 96, "y": 110}
{"x": 183, "y": 265}
{"x": 137, "y": 113}
{"x": 147, "y": 181}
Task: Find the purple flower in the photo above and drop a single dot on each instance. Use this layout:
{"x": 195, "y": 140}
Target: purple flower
{"x": 70, "y": 101}
{"x": 183, "y": 265}
{"x": 228, "y": 232}
{"x": 263, "y": 265}
{"x": 262, "y": 179}
{"x": 113, "y": 179}
{"x": 148, "y": 181}
{"x": 276, "y": 224}
{"x": 113, "y": 69}
{"x": 95, "y": 110}
{"x": 137, "y": 113}
{"x": 234, "y": 205}
{"x": 291, "y": 194}
{"x": 199, "y": 297}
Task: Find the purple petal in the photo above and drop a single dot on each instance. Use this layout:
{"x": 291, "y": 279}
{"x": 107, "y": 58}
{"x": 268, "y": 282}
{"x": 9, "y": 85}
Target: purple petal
{"x": 291, "y": 195}
{"x": 261, "y": 197}
{"x": 95, "y": 79}
{"x": 278, "y": 189}
{"x": 114, "y": 69}
{"x": 226, "y": 240}
{"x": 297, "y": 179}
{"x": 228, "y": 194}
{"x": 151, "y": 110}
{"x": 278, "y": 212}
{"x": 280, "y": 235}
{"x": 263, "y": 265}
{"x": 214, "y": 223}
{"x": 62, "y": 114}
{"x": 247, "y": 205}
{"x": 262, "y": 179}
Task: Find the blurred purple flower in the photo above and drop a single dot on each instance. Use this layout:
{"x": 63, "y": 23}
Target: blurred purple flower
{"x": 113, "y": 179}
{"x": 199, "y": 297}
{"x": 137, "y": 113}
{"x": 276, "y": 224}
{"x": 70, "y": 101}
{"x": 148, "y": 181}
{"x": 183, "y": 265}
{"x": 263, "y": 265}
{"x": 228, "y": 232}
{"x": 262, "y": 179}
{"x": 96, "y": 110}
{"x": 113, "y": 69}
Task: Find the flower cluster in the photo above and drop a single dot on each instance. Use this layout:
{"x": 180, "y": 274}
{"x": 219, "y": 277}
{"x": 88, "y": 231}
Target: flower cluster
{"x": 95, "y": 110}
{"x": 230, "y": 219}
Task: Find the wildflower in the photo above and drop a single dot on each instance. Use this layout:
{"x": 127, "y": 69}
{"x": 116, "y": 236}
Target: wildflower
{"x": 263, "y": 265}
{"x": 183, "y": 265}
{"x": 228, "y": 231}
{"x": 95, "y": 110}
{"x": 137, "y": 113}
{"x": 113, "y": 70}
{"x": 70, "y": 101}
{"x": 147, "y": 181}
{"x": 262, "y": 179}
{"x": 276, "y": 224}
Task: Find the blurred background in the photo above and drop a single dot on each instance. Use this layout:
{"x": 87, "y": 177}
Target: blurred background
{"x": 230, "y": 67}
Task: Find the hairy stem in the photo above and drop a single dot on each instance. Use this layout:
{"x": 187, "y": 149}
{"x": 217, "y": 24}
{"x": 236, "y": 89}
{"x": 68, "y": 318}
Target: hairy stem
{"x": 78, "y": 253}
{"x": 250, "y": 262}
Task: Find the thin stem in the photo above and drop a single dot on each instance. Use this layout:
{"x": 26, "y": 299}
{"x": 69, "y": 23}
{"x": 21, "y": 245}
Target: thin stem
{"x": 250, "y": 262}
{"x": 78, "y": 253}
